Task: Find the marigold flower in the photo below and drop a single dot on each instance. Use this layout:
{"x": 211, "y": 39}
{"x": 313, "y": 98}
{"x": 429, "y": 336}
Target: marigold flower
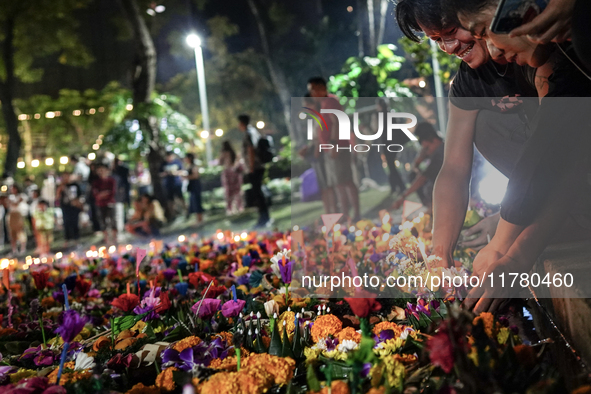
{"x": 349, "y": 333}
{"x": 336, "y": 387}
{"x": 488, "y": 321}
{"x": 186, "y": 343}
{"x": 324, "y": 326}
{"x": 141, "y": 389}
{"x": 386, "y": 325}
{"x": 165, "y": 380}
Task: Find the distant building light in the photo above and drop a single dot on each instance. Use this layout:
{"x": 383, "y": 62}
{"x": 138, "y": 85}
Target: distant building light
{"x": 50, "y": 115}
{"x": 260, "y": 124}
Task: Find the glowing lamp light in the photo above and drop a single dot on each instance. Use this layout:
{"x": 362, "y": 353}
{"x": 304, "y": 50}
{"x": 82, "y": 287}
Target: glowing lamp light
{"x": 219, "y": 132}
{"x": 112, "y": 249}
{"x": 59, "y": 255}
{"x": 128, "y": 247}
{"x": 89, "y": 254}
{"x": 336, "y": 227}
{"x": 352, "y": 228}
{"x": 236, "y": 238}
{"x": 358, "y": 233}
{"x": 204, "y": 134}
{"x": 193, "y": 40}
{"x": 50, "y": 115}
{"x": 64, "y": 160}
{"x": 422, "y": 84}
{"x": 323, "y": 229}
{"x": 260, "y": 124}
{"x": 35, "y": 163}
{"x": 20, "y": 164}
{"x": 220, "y": 236}
{"x": 95, "y": 146}
{"x": 493, "y": 186}
{"x": 4, "y": 264}
{"x": 91, "y": 156}
{"x": 296, "y": 227}
{"x": 129, "y": 107}
{"x": 244, "y": 235}
{"x": 182, "y": 238}
{"x": 36, "y": 261}
{"x": 386, "y": 219}
{"x": 49, "y": 161}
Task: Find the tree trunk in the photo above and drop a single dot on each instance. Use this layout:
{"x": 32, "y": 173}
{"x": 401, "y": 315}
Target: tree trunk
{"x": 144, "y": 79}
{"x": 6, "y": 96}
{"x": 277, "y": 75}
{"x": 360, "y": 45}
{"x": 371, "y": 16}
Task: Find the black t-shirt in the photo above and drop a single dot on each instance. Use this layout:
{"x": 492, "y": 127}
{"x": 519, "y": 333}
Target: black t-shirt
{"x": 70, "y": 193}
{"x": 494, "y": 87}
{"x": 560, "y": 136}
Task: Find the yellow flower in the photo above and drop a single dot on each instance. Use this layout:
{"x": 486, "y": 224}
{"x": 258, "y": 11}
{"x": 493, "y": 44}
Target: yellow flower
{"x": 22, "y": 374}
{"x": 139, "y": 327}
{"x": 388, "y": 347}
{"x": 311, "y": 354}
{"x": 241, "y": 271}
{"x": 289, "y": 318}
{"x": 503, "y": 335}
{"x": 326, "y": 325}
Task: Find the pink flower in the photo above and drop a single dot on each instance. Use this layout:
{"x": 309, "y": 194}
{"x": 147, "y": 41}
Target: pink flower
{"x": 232, "y": 308}
{"x": 209, "y": 306}
{"x": 440, "y": 351}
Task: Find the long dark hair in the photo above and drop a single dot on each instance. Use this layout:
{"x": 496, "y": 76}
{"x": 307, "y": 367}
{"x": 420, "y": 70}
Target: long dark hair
{"x": 227, "y": 147}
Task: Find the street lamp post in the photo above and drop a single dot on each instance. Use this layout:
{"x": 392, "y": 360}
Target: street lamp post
{"x": 194, "y": 42}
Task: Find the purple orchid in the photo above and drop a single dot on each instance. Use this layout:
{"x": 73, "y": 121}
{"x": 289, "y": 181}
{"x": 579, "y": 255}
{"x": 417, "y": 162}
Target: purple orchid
{"x": 41, "y": 357}
{"x": 207, "y": 307}
{"x": 383, "y": 336}
{"x": 331, "y": 344}
{"x": 286, "y": 270}
{"x": 233, "y": 308}
{"x": 72, "y": 324}
{"x": 199, "y": 355}
{"x": 148, "y": 305}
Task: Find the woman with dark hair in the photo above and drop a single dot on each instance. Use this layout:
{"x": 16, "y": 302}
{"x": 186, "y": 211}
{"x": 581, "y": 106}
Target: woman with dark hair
{"x": 547, "y": 188}
{"x": 194, "y": 188}
{"x": 231, "y": 178}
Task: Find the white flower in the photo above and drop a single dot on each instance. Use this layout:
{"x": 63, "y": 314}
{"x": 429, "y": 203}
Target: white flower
{"x": 405, "y": 333}
{"x": 271, "y": 307}
{"x": 84, "y": 361}
{"x": 347, "y": 345}
{"x": 284, "y": 254}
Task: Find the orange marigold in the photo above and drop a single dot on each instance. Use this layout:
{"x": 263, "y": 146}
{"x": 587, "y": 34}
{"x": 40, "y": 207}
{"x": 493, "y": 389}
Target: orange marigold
{"x": 326, "y": 325}
{"x": 488, "y": 322}
{"x": 379, "y": 390}
{"x": 350, "y": 334}
{"x": 141, "y": 389}
{"x": 165, "y": 380}
{"x": 221, "y": 383}
{"x": 225, "y": 335}
{"x": 406, "y": 359}
{"x": 68, "y": 377}
{"x": 281, "y": 368}
{"x": 186, "y": 343}
{"x": 337, "y": 387}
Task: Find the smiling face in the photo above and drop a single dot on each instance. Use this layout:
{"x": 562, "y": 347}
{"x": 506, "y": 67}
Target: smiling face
{"x": 457, "y": 41}
{"x": 519, "y": 49}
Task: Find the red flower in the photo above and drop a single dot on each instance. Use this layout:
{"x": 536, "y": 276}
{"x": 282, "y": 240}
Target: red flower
{"x": 164, "y": 302}
{"x": 362, "y": 307}
{"x": 40, "y": 278}
{"x": 120, "y": 362}
{"x": 196, "y": 278}
{"x": 214, "y": 291}
{"x": 126, "y": 302}
{"x": 82, "y": 286}
{"x": 440, "y": 351}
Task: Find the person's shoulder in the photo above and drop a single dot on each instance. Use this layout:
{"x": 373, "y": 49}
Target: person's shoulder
{"x": 331, "y": 102}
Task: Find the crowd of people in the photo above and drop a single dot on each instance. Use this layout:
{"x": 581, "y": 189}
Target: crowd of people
{"x": 98, "y": 194}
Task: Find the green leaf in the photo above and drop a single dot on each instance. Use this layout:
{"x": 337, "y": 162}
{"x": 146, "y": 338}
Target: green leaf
{"x": 312, "y": 379}
{"x": 385, "y": 51}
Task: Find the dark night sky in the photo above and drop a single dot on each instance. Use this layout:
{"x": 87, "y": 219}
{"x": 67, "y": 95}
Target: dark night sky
{"x": 113, "y": 58}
